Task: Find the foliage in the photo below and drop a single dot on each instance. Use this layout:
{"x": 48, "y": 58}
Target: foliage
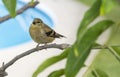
{"x": 107, "y": 5}
{"x": 77, "y": 54}
{"x": 57, "y": 73}
{"x": 11, "y": 6}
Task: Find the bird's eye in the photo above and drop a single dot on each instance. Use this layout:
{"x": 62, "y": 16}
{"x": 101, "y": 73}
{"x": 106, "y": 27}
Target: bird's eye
{"x": 33, "y": 22}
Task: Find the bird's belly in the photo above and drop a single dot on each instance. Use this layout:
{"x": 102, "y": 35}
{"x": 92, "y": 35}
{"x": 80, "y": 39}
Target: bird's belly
{"x": 42, "y": 39}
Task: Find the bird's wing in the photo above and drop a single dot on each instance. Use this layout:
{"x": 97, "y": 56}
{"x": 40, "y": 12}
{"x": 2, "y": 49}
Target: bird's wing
{"x": 51, "y": 33}
{"x": 48, "y": 31}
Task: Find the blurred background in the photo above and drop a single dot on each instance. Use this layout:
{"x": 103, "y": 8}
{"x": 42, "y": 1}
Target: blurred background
{"x": 64, "y": 16}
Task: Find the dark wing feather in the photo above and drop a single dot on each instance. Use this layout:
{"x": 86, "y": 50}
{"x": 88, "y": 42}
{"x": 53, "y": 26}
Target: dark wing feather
{"x": 48, "y": 30}
{"x": 51, "y": 33}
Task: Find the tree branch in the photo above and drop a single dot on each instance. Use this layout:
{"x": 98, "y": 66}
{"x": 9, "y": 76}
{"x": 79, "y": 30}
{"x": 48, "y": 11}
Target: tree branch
{"x": 29, "y": 5}
{"x": 11, "y": 62}
{"x": 110, "y": 48}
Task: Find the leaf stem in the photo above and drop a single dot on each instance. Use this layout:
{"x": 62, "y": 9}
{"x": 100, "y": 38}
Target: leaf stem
{"x": 110, "y": 49}
{"x": 94, "y": 72}
{"x": 113, "y": 52}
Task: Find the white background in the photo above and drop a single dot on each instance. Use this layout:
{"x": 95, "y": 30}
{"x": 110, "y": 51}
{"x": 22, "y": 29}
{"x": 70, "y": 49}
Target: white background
{"x": 67, "y": 15}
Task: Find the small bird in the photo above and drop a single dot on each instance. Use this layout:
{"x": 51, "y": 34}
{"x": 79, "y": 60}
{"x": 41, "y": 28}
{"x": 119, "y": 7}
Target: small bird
{"x": 41, "y": 33}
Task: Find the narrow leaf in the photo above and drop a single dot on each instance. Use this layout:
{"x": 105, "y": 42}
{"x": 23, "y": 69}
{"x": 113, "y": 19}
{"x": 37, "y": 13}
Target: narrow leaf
{"x": 81, "y": 50}
{"x": 11, "y": 6}
{"x": 99, "y": 73}
{"x": 107, "y": 6}
{"x": 50, "y": 62}
{"x": 57, "y": 73}
{"x": 89, "y": 16}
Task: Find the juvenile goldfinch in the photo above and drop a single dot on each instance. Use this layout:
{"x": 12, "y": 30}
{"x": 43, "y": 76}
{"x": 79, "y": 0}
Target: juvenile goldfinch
{"x": 42, "y": 33}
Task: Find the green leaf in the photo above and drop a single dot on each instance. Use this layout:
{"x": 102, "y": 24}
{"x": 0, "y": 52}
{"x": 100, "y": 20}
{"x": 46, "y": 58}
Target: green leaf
{"x": 107, "y": 6}
{"x": 50, "y": 62}
{"x": 81, "y": 50}
{"x": 89, "y": 16}
{"x": 99, "y": 73}
{"x": 32, "y": 1}
{"x": 57, "y": 73}
{"x": 11, "y": 6}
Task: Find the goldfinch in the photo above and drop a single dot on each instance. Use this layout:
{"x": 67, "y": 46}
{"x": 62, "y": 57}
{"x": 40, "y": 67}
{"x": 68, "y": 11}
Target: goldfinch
{"x": 41, "y": 33}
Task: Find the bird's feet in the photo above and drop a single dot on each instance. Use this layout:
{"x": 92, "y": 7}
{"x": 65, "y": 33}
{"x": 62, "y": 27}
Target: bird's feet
{"x": 37, "y": 47}
{"x": 45, "y": 45}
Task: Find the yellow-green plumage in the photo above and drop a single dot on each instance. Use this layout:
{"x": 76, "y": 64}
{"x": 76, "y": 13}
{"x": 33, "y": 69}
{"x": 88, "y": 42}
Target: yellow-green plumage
{"x": 41, "y": 33}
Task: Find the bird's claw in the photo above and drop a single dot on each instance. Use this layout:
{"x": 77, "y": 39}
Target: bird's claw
{"x": 37, "y": 47}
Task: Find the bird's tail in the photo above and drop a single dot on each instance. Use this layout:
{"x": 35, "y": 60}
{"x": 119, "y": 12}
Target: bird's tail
{"x": 58, "y": 35}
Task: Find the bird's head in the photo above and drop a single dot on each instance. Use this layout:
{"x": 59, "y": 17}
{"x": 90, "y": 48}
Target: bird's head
{"x": 37, "y": 21}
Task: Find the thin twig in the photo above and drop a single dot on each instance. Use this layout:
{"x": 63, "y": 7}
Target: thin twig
{"x": 11, "y": 62}
{"x": 58, "y": 46}
{"x": 110, "y": 49}
{"x": 27, "y": 6}
{"x": 105, "y": 46}
{"x": 94, "y": 72}
{"x": 100, "y": 47}
{"x": 114, "y": 53}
